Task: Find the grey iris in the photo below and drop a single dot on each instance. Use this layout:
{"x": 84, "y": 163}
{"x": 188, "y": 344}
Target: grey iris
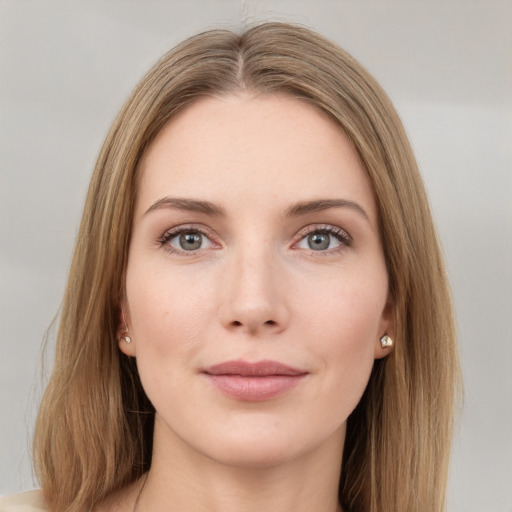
{"x": 190, "y": 241}
{"x": 318, "y": 241}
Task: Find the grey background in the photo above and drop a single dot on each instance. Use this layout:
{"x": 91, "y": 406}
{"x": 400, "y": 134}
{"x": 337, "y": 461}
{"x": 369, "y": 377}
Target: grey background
{"x": 67, "y": 66}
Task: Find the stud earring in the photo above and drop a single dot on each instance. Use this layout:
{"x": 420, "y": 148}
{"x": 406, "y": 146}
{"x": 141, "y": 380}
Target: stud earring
{"x": 126, "y": 337}
{"x": 386, "y": 341}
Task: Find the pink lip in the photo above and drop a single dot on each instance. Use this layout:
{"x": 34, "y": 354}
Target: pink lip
{"x": 254, "y": 382}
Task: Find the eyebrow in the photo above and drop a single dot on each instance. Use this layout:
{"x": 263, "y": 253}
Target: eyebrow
{"x": 189, "y": 205}
{"x": 215, "y": 210}
{"x": 320, "y": 205}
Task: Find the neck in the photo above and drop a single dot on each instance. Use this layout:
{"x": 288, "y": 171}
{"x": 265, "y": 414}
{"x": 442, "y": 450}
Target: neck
{"x": 183, "y": 479}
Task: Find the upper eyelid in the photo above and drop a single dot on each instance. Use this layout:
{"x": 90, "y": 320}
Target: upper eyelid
{"x": 330, "y": 228}
{"x": 201, "y": 228}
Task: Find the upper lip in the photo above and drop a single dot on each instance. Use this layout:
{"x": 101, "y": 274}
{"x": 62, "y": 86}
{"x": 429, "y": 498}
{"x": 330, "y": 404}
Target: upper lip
{"x": 256, "y": 369}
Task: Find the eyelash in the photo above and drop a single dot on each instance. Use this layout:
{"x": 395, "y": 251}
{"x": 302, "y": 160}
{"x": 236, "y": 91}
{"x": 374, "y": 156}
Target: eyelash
{"x": 326, "y": 229}
{"x": 339, "y": 234}
{"x": 164, "y": 240}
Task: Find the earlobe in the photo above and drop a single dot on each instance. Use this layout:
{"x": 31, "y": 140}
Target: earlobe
{"x": 125, "y": 346}
{"x": 384, "y": 344}
{"x": 124, "y": 338}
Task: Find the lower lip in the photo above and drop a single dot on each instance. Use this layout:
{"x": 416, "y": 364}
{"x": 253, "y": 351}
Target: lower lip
{"x": 255, "y": 389}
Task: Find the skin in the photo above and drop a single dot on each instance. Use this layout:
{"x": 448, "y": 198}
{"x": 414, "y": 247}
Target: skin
{"x": 254, "y": 290}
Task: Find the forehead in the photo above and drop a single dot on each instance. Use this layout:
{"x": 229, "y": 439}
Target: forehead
{"x": 241, "y": 147}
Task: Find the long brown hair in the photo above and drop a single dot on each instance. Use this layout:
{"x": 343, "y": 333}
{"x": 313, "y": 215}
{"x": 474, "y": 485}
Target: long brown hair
{"x": 94, "y": 429}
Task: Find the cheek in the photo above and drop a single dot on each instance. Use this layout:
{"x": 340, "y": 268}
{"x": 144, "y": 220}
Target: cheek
{"x": 344, "y": 323}
{"x": 349, "y": 309}
{"x": 168, "y": 313}
{"x": 168, "y": 323}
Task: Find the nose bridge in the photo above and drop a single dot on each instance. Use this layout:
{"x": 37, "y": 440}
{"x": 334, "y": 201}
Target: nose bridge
{"x": 253, "y": 298}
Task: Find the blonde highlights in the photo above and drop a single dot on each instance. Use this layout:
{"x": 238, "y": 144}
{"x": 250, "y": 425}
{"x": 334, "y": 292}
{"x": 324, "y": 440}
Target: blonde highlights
{"x": 94, "y": 429}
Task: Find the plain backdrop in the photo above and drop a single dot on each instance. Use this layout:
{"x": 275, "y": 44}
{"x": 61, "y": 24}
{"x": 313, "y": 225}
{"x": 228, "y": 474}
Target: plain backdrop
{"x": 67, "y": 66}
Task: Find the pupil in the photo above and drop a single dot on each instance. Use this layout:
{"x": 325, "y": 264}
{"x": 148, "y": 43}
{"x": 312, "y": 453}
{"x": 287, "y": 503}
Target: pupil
{"x": 318, "y": 241}
{"x": 190, "y": 241}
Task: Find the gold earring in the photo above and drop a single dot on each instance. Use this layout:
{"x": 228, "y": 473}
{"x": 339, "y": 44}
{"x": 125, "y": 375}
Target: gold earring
{"x": 386, "y": 341}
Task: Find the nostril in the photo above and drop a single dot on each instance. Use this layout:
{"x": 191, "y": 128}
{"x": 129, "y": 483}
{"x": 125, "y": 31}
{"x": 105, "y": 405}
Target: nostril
{"x": 237, "y": 323}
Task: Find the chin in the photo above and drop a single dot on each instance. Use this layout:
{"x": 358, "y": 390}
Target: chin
{"x": 267, "y": 448}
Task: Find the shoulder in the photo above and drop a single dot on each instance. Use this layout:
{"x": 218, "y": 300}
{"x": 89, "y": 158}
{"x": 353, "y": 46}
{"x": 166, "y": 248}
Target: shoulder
{"x": 32, "y": 501}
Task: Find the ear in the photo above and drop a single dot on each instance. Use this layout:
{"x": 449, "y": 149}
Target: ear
{"x": 386, "y": 328}
{"x": 124, "y": 338}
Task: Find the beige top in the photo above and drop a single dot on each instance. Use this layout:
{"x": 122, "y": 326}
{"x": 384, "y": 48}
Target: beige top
{"x": 31, "y": 501}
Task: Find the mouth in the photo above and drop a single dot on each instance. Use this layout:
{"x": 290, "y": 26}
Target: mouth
{"x": 254, "y": 382}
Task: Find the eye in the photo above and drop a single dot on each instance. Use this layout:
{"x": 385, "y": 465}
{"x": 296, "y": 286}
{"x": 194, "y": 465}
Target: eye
{"x": 185, "y": 239}
{"x": 324, "y": 239}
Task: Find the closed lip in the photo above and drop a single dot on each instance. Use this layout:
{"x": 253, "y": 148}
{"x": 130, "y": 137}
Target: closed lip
{"x": 256, "y": 369}
{"x": 254, "y": 382}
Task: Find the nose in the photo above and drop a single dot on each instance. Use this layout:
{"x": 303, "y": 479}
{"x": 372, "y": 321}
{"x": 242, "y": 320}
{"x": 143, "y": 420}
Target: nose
{"x": 254, "y": 295}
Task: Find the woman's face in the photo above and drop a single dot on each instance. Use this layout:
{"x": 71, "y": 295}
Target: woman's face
{"x": 256, "y": 287}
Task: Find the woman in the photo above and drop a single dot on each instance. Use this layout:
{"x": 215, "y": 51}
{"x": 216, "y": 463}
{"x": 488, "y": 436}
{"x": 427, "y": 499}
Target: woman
{"x": 257, "y": 313}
